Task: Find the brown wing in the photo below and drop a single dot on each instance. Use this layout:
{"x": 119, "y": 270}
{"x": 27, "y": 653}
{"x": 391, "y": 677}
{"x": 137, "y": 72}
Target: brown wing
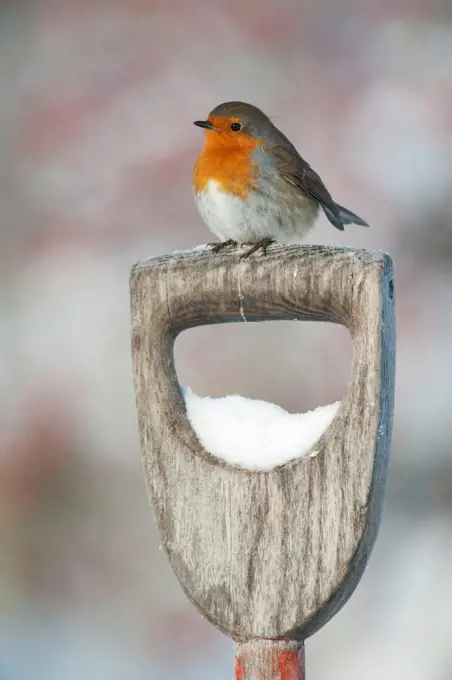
{"x": 299, "y": 173}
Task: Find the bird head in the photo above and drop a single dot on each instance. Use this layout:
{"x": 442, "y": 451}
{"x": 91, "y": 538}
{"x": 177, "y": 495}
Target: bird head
{"x": 235, "y": 125}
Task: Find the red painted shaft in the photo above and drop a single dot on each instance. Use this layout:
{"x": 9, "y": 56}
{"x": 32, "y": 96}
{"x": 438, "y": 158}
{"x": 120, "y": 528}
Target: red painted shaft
{"x": 270, "y": 660}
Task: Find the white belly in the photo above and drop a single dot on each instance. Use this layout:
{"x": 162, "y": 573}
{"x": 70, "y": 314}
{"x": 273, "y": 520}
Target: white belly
{"x": 256, "y": 218}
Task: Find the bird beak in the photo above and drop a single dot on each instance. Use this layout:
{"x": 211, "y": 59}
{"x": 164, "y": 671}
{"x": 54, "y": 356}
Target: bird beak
{"x": 205, "y": 124}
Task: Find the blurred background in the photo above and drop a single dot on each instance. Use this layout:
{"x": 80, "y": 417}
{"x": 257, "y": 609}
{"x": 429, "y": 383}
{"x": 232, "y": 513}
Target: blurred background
{"x": 97, "y": 150}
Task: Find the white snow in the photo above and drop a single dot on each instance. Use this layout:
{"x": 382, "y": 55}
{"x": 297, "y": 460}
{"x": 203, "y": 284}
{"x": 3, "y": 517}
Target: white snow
{"x": 255, "y": 434}
{"x": 195, "y": 249}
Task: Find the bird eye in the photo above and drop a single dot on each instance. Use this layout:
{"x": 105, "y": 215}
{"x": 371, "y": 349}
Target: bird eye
{"x": 235, "y": 127}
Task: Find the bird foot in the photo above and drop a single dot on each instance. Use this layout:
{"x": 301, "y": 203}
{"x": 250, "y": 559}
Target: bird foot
{"x": 216, "y": 247}
{"x": 260, "y": 245}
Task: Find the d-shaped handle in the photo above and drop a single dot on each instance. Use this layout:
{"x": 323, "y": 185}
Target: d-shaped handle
{"x": 274, "y": 553}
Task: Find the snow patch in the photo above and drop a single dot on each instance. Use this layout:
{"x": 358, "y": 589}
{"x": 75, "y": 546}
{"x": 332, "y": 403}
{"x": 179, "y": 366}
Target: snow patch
{"x": 255, "y": 434}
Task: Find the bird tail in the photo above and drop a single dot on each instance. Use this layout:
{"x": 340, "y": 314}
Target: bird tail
{"x": 347, "y": 217}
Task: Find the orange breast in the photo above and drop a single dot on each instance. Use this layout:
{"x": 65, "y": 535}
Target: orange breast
{"x": 228, "y": 162}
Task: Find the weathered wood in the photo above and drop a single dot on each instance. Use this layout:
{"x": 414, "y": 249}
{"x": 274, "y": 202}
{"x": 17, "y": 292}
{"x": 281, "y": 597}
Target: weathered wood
{"x": 270, "y": 660}
{"x": 276, "y": 553}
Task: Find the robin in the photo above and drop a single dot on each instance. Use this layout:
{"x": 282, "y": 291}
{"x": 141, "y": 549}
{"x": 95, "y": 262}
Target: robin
{"x": 251, "y": 185}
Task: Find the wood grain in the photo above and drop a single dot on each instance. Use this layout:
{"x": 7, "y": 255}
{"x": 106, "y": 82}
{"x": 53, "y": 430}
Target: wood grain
{"x": 270, "y": 660}
{"x": 275, "y": 553}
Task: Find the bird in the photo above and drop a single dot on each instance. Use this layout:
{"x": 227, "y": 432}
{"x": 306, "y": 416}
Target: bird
{"x": 252, "y": 187}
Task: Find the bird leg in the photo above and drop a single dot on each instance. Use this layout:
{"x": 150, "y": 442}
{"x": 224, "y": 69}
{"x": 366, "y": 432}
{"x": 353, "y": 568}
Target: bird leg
{"x": 216, "y": 247}
{"x": 259, "y": 245}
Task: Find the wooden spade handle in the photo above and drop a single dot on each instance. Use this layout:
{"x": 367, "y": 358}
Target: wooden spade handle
{"x": 276, "y": 553}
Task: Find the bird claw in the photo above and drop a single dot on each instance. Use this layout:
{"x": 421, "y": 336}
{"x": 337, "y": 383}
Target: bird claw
{"x": 260, "y": 245}
{"x": 216, "y": 247}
